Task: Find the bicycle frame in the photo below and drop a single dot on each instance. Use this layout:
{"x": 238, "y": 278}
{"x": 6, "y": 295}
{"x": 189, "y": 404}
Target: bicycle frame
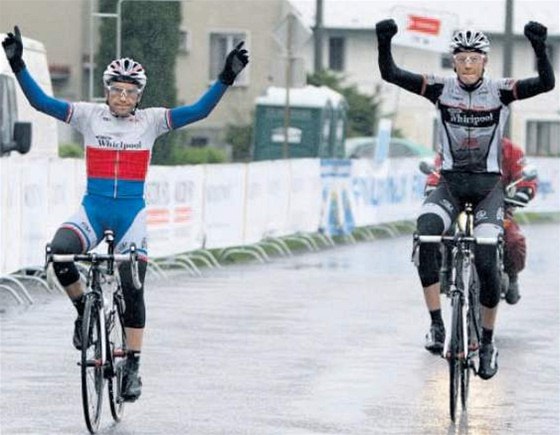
{"x": 103, "y": 302}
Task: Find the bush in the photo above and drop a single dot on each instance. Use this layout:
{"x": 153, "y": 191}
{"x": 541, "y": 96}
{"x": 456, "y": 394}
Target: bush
{"x": 240, "y": 138}
{"x": 70, "y": 150}
{"x": 195, "y": 156}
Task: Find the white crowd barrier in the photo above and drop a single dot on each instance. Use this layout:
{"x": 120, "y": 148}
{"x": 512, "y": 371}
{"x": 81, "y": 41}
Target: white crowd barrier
{"x": 219, "y": 206}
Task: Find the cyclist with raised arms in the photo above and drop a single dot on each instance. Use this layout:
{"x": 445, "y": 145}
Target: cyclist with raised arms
{"x": 118, "y": 139}
{"x": 472, "y": 112}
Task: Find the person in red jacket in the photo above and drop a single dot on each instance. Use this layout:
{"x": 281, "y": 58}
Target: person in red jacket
{"x": 515, "y": 252}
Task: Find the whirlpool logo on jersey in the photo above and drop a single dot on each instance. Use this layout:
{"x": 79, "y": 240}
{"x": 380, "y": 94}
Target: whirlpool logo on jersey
{"x": 108, "y": 142}
{"x": 470, "y": 118}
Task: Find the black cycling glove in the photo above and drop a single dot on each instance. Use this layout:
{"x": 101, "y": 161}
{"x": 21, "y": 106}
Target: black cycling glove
{"x": 523, "y": 195}
{"x": 536, "y": 34}
{"x": 235, "y": 62}
{"x": 385, "y": 31}
{"x": 13, "y": 46}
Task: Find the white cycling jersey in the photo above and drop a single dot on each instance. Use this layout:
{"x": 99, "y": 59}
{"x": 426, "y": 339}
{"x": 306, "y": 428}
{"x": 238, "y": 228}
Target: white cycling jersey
{"x": 118, "y": 150}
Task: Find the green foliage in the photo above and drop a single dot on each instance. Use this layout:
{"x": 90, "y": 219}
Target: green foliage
{"x": 240, "y": 137}
{"x": 195, "y": 156}
{"x": 150, "y": 35}
{"x": 363, "y": 110}
{"x": 70, "y": 150}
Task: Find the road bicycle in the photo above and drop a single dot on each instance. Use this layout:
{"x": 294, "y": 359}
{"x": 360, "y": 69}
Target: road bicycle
{"x": 464, "y": 332}
{"x": 103, "y": 334}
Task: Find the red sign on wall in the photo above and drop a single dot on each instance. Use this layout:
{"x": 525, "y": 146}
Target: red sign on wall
{"x": 426, "y": 25}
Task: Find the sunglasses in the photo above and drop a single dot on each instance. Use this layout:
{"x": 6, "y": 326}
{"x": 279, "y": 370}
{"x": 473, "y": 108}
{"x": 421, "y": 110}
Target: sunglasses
{"x": 126, "y": 93}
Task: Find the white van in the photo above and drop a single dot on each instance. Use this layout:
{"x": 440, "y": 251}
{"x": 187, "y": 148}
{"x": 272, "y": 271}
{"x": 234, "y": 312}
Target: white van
{"x": 16, "y": 112}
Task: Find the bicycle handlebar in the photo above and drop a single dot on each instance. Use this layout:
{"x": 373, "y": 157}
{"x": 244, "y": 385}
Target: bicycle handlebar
{"x": 513, "y": 202}
{"x": 439, "y": 239}
{"x": 91, "y": 257}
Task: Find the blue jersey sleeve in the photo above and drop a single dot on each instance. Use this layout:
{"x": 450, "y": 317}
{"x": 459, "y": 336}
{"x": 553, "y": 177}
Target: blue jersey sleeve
{"x": 183, "y": 115}
{"x": 41, "y": 101}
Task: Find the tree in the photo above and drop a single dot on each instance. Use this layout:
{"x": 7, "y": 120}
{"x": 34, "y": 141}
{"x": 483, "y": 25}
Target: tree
{"x": 363, "y": 109}
{"x": 240, "y": 137}
{"x": 150, "y": 35}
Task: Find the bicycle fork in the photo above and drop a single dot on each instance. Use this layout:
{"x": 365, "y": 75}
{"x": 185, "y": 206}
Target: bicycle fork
{"x": 458, "y": 296}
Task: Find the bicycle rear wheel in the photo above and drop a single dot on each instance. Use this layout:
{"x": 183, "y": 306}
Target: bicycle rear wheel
{"x": 454, "y": 359}
{"x": 93, "y": 380}
{"x": 117, "y": 350}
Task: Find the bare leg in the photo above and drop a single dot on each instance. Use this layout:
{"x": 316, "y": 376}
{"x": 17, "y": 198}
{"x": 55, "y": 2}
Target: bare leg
{"x": 431, "y": 296}
{"x": 134, "y": 338}
{"x": 75, "y": 290}
{"x": 489, "y": 317}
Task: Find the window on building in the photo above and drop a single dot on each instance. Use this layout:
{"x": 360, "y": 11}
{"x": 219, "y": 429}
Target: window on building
{"x": 543, "y": 138}
{"x": 184, "y": 41}
{"x": 199, "y": 141}
{"x": 446, "y": 61}
{"x": 336, "y": 53}
{"x": 220, "y": 45}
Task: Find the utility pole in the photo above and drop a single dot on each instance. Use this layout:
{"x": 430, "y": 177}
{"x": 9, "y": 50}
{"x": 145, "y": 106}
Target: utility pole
{"x": 508, "y": 50}
{"x": 289, "y": 62}
{"x": 318, "y": 36}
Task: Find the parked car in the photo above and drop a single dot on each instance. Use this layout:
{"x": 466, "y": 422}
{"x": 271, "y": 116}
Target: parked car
{"x": 364, "y": 148}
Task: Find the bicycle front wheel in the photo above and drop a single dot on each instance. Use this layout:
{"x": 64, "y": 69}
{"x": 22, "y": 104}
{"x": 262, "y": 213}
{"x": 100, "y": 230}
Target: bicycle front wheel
{"x": 93, "y": 380}
{"x": 453, "y": 356}
{"x": 117, "y": 351}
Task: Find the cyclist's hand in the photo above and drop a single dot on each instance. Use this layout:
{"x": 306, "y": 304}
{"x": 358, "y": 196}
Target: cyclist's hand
{"x": 13, "y": 46}
{"x": 522, "y": 196}
{"x": 236, "y": 60}
{"x": 536, "y": 34}
{"x": 385, "y": 30}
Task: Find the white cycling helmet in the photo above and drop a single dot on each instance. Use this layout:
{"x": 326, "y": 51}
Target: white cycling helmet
{"x": 470, "y": 40}
{"x": 125, "y": 70}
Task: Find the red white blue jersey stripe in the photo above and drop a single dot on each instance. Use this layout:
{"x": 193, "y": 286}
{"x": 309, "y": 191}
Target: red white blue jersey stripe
{"x": 118, "y": 150}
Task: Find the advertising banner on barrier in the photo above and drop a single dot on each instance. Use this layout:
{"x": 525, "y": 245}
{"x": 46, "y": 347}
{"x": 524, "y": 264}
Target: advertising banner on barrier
{"x": 391, "y": 192}
{"x": 305, "y": 196}
{"x": 277, "y": 194}
{"x": 12, "y": 208}
{"x": 224, "y": 205}
{"x": 277, "y": 198}
{"x": 64, "y": 194}
{"x": 3, "y": 216}
{"x": 174, "y": 210}
{"x": 337, "y": 210}
{"x": 33, "y": 232}
{"x": 256, "y": 215}
{"x": 548, "y": 192}
{"x": 217, "y": 206}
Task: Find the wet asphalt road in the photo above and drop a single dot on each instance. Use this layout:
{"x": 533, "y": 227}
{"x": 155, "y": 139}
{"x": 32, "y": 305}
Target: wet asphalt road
{"x": 321, "y": 343}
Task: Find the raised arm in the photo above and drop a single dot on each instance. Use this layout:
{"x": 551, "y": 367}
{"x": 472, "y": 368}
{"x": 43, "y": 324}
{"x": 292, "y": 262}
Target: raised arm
{"x": 13, "y": 48}
{"x": 544, "y": 82}
{"x": 390, "y": 72}
{"x": 236, "y": 60}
